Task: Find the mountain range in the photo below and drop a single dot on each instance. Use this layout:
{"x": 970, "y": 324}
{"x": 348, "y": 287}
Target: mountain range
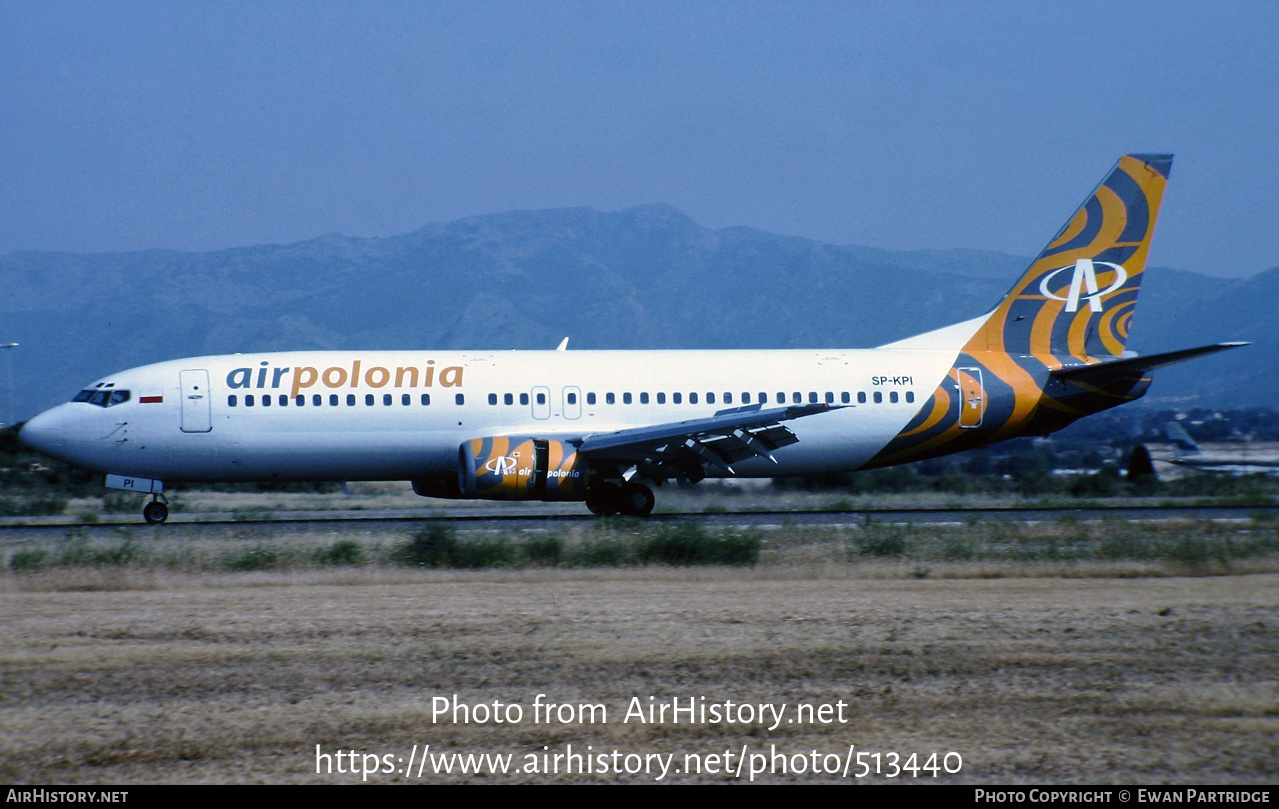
{"x": 645, "y": 277}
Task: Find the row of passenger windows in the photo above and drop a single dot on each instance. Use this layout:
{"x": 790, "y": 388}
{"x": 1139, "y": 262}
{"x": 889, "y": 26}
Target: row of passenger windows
{"x": 317, "y": 400}
{"x": 370, "y": 399}
{"x": 727, "y": 398}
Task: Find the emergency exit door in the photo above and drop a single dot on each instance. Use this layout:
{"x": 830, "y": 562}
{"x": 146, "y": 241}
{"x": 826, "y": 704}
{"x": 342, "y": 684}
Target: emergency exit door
{"x": 541, "y": 402}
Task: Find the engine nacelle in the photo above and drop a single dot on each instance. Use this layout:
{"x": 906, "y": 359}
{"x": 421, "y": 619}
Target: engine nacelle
{"x": 512, "y": 468}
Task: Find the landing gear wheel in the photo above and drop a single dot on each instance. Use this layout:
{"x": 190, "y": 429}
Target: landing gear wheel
{"x": 604, "y": 499}
{"x": 155, "y": 512}
{"x": 637, "y": 500}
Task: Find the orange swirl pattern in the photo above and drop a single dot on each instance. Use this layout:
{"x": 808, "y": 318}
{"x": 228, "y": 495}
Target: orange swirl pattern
{"x": 1073, "y": 306}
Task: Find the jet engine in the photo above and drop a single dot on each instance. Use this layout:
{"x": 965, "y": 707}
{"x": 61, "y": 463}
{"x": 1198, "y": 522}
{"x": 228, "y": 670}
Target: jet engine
{"x": 512, "y": 468}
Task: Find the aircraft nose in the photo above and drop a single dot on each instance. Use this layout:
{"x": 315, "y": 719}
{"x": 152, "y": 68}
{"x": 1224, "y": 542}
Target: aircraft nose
{"x": 48, "y": 431}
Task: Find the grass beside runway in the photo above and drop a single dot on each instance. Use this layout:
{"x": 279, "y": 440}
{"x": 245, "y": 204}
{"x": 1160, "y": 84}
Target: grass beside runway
{"x": 1063, "y": 547}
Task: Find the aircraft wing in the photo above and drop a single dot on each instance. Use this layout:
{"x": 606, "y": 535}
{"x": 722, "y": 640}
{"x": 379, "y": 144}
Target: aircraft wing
{"x": 687, "y": 447}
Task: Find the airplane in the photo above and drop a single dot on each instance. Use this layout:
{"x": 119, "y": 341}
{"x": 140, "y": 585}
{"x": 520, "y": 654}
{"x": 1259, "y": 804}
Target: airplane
{"x": 1187, "y": 453}
{"x": 604, "y": 427}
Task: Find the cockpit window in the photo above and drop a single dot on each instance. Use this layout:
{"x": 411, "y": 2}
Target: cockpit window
{"x": 102, "y": 397}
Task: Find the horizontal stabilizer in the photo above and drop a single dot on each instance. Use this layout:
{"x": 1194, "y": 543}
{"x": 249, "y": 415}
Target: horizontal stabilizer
{"x": 1100, "y": 373}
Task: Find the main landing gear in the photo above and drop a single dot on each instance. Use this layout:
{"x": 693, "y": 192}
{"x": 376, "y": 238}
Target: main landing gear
{"x": 157, "y": 511}
{"x": 629, "y": 499}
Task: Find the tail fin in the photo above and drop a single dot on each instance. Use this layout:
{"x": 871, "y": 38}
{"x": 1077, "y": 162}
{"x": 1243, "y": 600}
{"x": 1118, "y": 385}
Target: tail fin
{"x": 1053, "y": 349}
{"x": 1181, "y": 439}
{"x": 1075, "y": 302}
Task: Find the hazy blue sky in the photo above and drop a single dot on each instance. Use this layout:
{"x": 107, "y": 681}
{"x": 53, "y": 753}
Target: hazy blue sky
{"x": 197, "y": 126}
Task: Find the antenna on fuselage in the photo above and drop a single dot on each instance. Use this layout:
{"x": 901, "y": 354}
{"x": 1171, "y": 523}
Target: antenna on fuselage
{"x": 563, "y": 346}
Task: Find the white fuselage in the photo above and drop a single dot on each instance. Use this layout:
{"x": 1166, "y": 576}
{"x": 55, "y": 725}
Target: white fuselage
{"x": 380, "y": 415}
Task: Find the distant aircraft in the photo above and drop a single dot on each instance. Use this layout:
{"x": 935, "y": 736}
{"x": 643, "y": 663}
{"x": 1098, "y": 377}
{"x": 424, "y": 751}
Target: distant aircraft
{"x": 604, "y": 426}
{"x": 1187, "y": 453}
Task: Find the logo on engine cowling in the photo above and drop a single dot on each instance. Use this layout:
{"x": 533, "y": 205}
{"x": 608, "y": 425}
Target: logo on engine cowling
{"x": 503, "y": 465}
{"x": 1083, "y": 280}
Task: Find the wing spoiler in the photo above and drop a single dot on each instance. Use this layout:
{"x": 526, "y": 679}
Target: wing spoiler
{"x": 724, "y": 422}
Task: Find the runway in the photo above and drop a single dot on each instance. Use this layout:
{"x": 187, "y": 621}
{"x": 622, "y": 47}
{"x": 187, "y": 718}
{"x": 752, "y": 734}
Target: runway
{"x": 546, "y": 517}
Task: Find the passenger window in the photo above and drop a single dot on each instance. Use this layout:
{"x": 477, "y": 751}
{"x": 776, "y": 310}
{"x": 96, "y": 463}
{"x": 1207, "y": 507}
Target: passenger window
{"x": 406, "y": 400}
{"x": 523, "y": 398}
{"x": 230, "y": 400}
{"x": 710, "y": 398}
{"x": 284, "y": 400}
{"x": 492, "y": 398}
{"x": 797, "y": 397}
{"x": 508, "y": 399}
{"x": 830, "y": 398}
{"x": 879, "y": 397}
{"x": 608, "y": 398}
{"x": 590, "y": 398}
{"x": 626, "y": 398}
{"x": 318, "y": 400}
{"x": 572, "y": 398}
{"x": 861, "y": 397}
{"x": 643, "y": 398}
{"x": 728, "y": 398}
{"x": 892, "y": 397}
{"x": 746, "y": 398}
{"x": 843, "y": 397}
{"x": 692, "y": 398}
{"x": 910, "y": 397}
{"x": 299, "y": 400}
{"x": 812, "y": 397}
{"x": 350, "y": 400}
{"x": 781, "y": 398}
{"x": 426, "y": 399}
{"x": 460, "y": 399}
{"x": 333, "y": 400}
{"x": 386, "y": 400}
{"x": 661, "y": 398}
{"x": 541, "y": 398}
{"x": 266, "y": 400}
{"x": 248, "y": 400}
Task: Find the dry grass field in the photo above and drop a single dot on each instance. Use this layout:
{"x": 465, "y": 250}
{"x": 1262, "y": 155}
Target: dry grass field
{"x": 1033, "y": 671}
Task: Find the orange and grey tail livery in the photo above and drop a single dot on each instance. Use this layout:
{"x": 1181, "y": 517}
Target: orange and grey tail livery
{"x": 1053, "y": 349}
{"x": 1075, "y": 302}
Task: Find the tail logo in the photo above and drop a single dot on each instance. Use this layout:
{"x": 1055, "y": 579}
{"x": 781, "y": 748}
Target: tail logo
{"x": 1084, "y": 279}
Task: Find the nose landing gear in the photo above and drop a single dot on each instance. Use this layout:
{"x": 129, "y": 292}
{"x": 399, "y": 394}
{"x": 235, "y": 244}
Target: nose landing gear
{"x": 157, "y": 511}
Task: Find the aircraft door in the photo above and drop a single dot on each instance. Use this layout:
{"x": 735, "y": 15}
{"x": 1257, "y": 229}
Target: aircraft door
{"x": 572, "y": 403}
{"x": 972, "y": 397}
{"x": 195, "y": 401}
{"x": 541, "y": 403}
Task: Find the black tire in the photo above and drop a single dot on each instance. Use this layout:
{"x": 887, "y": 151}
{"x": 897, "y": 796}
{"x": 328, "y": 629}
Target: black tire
{"x": 637, "y": 500}
{"x": 604, "y": 499}
{"x": 155, "y": 512}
